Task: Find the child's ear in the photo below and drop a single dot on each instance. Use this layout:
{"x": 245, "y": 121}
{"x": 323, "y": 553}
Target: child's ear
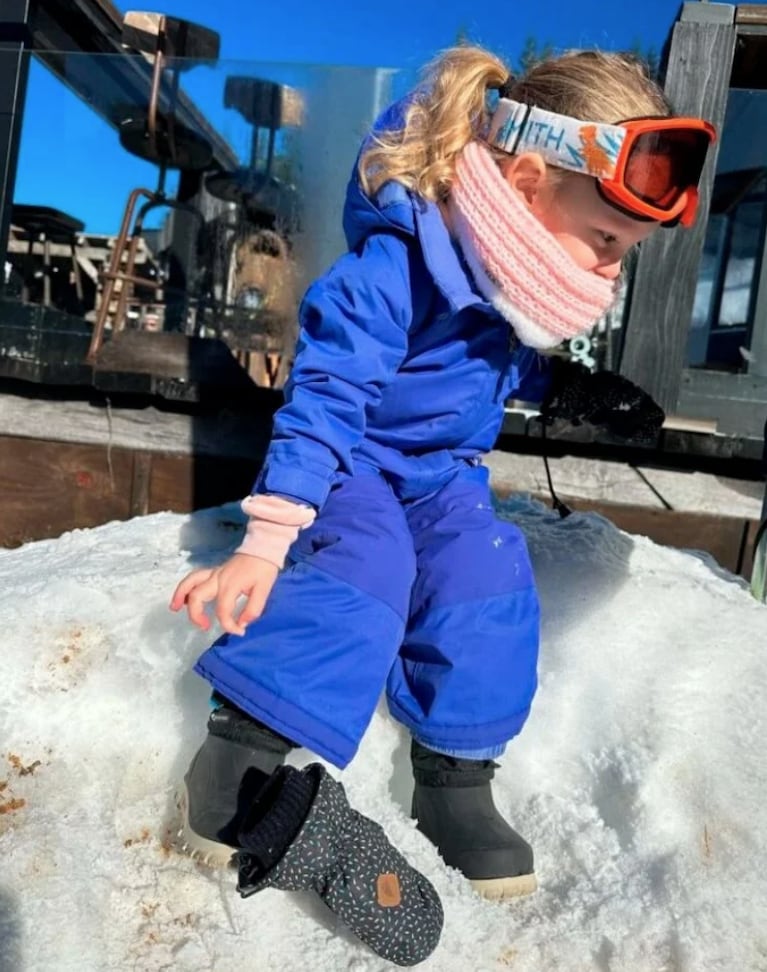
{"x": 526, "y": 174}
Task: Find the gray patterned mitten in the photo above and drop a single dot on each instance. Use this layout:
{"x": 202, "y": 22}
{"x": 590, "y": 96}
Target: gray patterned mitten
{"x": 300, "y": 834}
{"x": 604, "y": 400}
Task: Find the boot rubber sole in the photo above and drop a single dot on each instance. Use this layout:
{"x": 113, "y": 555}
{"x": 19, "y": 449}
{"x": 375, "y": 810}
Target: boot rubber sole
{"x": 202, "y": 850}
{"x": 499, "y": 889}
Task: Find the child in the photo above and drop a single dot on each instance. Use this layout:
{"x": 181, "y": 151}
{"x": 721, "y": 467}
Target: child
{"x": 486, "y": 221}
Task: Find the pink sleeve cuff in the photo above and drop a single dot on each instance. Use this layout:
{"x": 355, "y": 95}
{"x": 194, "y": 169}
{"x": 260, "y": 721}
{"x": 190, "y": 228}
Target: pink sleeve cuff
{"x": 273, "y": 526}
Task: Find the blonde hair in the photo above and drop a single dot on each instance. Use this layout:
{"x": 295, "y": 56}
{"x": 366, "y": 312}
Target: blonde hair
{"x": 450, "y": 108}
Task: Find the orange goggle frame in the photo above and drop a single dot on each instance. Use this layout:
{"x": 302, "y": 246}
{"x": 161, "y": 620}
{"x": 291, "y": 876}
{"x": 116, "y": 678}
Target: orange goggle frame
{"x": 658, "y": 169}
{"x": 648, "y": 168}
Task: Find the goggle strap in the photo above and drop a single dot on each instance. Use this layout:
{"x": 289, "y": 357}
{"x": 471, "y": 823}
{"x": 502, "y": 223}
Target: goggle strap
{"x": 591, "y": 148}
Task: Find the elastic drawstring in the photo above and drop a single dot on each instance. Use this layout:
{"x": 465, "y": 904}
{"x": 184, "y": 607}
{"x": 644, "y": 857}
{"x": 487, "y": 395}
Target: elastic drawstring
{"x": 562, "y": 508}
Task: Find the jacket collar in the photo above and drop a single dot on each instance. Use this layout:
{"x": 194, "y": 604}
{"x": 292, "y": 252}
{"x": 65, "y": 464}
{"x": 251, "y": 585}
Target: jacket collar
{"x": 422, "y": 219}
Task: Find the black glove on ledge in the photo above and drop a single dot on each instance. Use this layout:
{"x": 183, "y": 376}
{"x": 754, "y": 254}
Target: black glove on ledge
{"x": 601, "y": 399}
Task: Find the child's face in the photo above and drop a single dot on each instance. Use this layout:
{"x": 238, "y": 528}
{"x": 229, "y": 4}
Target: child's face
{"x": 596, "y": 235}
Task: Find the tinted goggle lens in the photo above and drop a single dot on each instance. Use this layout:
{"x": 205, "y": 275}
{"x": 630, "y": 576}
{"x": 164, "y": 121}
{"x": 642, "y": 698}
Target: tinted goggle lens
{"x": 662, "y": 165}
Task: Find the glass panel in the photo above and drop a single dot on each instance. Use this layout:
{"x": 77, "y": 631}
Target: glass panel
{"x": 704, "y": 291}
{"x": 229, "y": 189}
{"x": 723, "y": 317}
{"x": 745, "y": 241}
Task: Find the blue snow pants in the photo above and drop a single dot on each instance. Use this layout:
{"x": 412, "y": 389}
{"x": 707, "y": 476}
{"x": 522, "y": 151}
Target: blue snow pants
{"x": 433, "y": 599}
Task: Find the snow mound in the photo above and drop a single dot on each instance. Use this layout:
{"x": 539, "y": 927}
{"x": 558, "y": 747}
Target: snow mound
{"x": 639, "y": 779}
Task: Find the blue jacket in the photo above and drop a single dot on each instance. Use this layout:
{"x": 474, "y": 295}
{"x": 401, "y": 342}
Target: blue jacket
{"x": 401, "y": 366}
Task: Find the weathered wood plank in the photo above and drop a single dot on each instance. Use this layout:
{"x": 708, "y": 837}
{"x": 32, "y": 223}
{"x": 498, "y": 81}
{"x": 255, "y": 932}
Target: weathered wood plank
{"x": 748, "y": 547}
{"x": 704, "y": 12}
{"x": 184, "y": 483}
{"x": 739, "y": 402}
{"x": 236, "y": 435}
{"x": 51, "y": 487}
{"x": 48, "y": 488}
{"x": 171, "y": 486}
{"x": 725, "y": 538}
{"x": 751, "y": 13}
{"x": 720, "y": 536}
{"x": 139, "y": 493}
{"x": 700, "y": 64}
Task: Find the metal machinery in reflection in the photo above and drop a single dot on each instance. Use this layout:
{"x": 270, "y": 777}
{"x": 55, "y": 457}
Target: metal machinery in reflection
{"x": 237, "y": 274}
{"x": 247, "y": 298}
{"x": 159, "y": 137}
{"x": 239, "y": 280}
{"x": 210, "y": 298}
{"x": 256, "y": 231}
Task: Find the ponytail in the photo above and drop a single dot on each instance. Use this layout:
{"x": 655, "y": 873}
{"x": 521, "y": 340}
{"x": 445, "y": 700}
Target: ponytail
{"x": 447, "y": 111}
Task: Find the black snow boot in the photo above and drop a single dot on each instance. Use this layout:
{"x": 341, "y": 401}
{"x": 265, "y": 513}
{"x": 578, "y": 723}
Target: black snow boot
{"x": 453, "y": 805}
{"x": 238, "y": 754}
{"x": 300, "y": 834}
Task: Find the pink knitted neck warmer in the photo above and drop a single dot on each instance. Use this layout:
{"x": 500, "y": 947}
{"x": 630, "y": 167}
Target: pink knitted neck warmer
{"x": 517, "y": 264}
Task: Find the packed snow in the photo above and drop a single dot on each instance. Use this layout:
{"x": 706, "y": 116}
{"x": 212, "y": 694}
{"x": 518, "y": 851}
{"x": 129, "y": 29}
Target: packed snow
{"x": 640, "y": 778}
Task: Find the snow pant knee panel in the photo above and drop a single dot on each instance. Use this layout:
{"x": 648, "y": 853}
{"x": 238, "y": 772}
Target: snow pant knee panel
{"x": 313, "y": 666}
{"x": 466, "y": 673}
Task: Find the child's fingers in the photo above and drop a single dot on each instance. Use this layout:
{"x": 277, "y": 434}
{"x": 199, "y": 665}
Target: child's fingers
{"x": 255, "y": 604}
{"x": 225, "y": 604}
{"x": 198, "y": 598}
{"x": 224, "y": 585}
{"x": 187, "y": 585}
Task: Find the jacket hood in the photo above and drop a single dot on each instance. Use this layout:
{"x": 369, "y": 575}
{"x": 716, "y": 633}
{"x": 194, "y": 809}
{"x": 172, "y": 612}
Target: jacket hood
{"x": 392, "y": 207}
{"x": 396, "y": 209}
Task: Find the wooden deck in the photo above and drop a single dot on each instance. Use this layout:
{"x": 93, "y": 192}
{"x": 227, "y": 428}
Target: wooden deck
{"x": 66, "y": 465}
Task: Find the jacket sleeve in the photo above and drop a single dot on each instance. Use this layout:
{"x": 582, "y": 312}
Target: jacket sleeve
{"x": 535, "y": 374}
{"x": 352, "y": 339}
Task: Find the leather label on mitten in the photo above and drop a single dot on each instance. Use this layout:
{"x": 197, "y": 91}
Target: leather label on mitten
{"x": 388, "y": 891}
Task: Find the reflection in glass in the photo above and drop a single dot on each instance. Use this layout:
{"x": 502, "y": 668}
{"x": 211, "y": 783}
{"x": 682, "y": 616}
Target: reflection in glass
{"x": 724, "y": 313}
{"x": 228, "y": 180}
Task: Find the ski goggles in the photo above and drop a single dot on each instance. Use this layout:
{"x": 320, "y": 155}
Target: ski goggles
{"x": 648, "y": 168}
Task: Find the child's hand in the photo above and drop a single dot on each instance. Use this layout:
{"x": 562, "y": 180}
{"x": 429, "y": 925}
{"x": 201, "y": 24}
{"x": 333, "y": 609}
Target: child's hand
{"x": 242, "y": 574}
